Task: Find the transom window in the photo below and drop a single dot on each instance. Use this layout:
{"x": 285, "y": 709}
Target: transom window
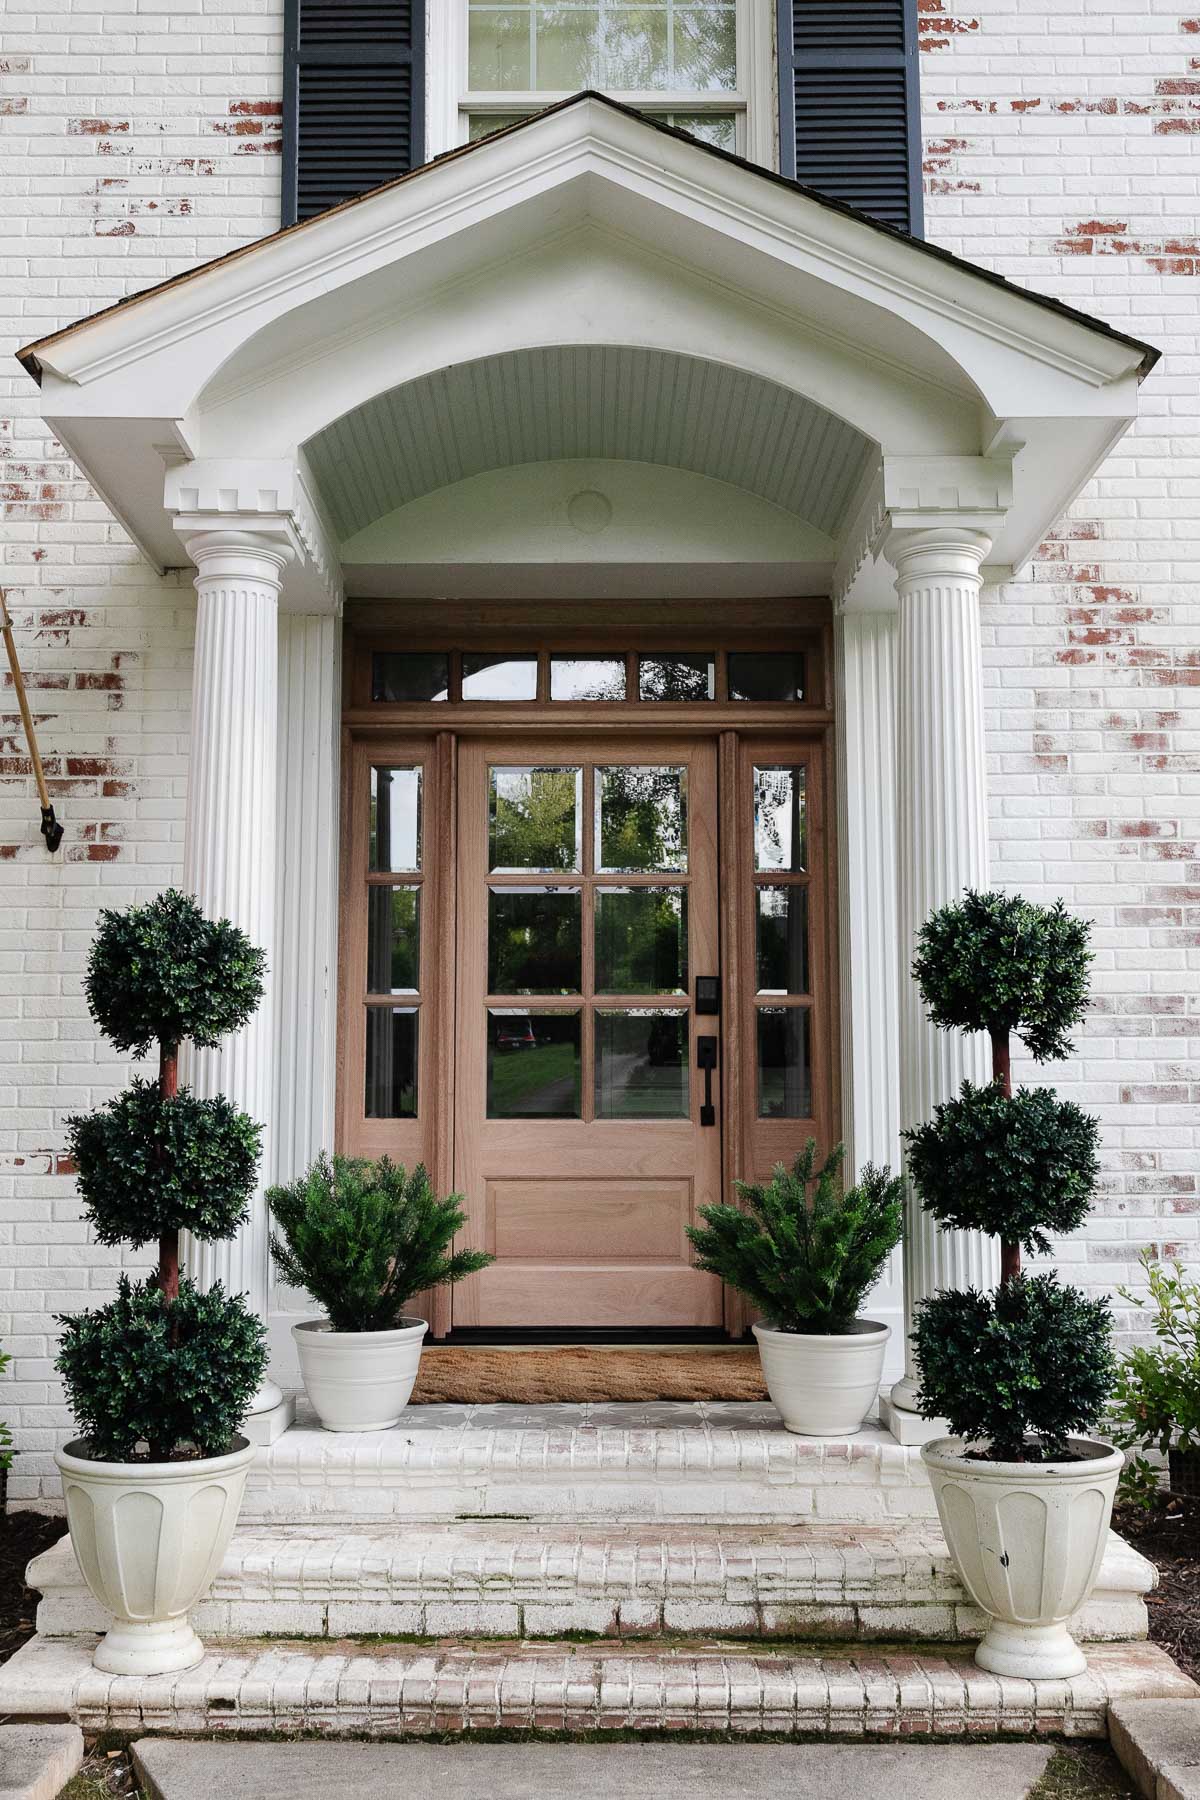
{"x": 680, "y": 61}
{"x": 646, "y": 678}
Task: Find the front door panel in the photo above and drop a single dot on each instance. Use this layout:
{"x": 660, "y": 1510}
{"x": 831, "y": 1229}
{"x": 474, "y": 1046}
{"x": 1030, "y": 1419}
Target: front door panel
{"x": 587, "y": 908}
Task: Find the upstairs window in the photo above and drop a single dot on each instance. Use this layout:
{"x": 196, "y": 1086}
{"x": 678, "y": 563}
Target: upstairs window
{"x": 686, "y": 63}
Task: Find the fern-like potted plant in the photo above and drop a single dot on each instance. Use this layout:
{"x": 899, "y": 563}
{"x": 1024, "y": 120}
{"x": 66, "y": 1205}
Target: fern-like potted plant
{"x": 362, "y": 1238}
{"x": 160, "y": 1379}
{"x": 1021, "y": 1374}
{"x": 806, "y": 1252}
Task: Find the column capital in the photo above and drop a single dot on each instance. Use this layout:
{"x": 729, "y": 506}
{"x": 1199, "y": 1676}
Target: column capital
{"x": 943, "y": 551}
{"x": 271, "y": 504}
{"x": 231, "y": 553}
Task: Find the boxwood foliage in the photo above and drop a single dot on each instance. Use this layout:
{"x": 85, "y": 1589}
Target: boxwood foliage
{"x": 805, "y": 1259}
{"x": 165, "y": 972}
{"x": 1008, "y": 1166}
{"x": 146, "y": 1377}
{"x": 1032, "y": 1358}
{"x": 363, "y": 1237}
{"x": 997, "y": 963}
{"x": 148, "y": 1165}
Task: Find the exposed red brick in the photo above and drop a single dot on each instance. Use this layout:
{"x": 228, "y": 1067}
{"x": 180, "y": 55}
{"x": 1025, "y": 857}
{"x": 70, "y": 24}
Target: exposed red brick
{"x": 96, "y": 127}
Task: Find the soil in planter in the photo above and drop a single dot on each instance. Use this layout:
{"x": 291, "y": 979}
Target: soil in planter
{"x": 23, "y": 1535}
{"x": 1170, "y": 1537}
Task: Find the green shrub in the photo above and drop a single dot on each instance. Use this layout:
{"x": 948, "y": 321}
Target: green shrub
{"x": 164, "y": 972}
{"x": 363, "y": 1237}
{"x": 805, "y": 1263}
{"x": 1033, "y": 1357}
{"x": 997, "y": 963}
{"x": 1006, "y": 1165}
{"x": 148, "y": 1165}
{"x": 1156, "y": 1401}
{"x": 173, "y": 1375}
{"x": 164, "y": 1370}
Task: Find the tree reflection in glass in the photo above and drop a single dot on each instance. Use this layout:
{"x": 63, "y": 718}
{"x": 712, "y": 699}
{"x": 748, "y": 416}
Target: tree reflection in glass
{"x": 641, "y": 819}
{"x": 534, "y": 819}
{"x": 780, "y": 827}
{"x": 641, "y": 940}
{"x": 535, "y": 941}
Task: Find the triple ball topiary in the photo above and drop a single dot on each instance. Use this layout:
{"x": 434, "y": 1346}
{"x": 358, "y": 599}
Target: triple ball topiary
{"x": 165, "y": 1371}
{"x": 1021, "y": 1369}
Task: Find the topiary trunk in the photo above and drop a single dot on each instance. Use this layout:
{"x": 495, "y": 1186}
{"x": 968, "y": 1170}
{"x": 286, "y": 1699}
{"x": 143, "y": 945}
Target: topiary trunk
{"x": 1010, "y": 1252}
{"x": 168, "y": 1243}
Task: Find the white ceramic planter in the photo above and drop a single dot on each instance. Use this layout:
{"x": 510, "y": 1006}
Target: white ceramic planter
{"x": 148, "y": 1538}
{"x": 359, "y": 1380}
{"x": 1027, "y": 1540}
{"x": 823, "y": 1386}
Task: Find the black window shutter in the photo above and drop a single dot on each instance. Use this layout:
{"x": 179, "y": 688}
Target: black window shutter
{"x": 353, "y": 99}
{"x": 850, "y": 116}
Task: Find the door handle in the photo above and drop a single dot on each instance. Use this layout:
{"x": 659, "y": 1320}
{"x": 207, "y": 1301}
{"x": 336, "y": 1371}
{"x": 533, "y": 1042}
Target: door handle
{"x": 706, "y": 1059}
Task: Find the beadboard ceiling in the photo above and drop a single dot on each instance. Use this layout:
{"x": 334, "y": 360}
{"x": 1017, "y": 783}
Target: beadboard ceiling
{"x": 587, "y": 402}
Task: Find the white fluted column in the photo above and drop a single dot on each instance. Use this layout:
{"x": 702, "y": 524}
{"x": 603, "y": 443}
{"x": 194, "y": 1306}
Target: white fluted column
{"x": 942, "y": 849}
{"x": 230, "y": 849}
{"x": 865, "y": 665}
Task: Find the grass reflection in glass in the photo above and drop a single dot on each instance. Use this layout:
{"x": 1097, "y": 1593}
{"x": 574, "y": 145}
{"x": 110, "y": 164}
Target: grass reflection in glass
{"x": 533, "y": 1064}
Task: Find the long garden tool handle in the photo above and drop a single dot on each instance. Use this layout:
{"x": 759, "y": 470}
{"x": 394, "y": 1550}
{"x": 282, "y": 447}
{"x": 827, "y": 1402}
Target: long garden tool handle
{"x": 51, "y": 830}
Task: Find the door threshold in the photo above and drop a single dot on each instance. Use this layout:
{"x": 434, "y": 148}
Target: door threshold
{"x": 482, "y": 1337}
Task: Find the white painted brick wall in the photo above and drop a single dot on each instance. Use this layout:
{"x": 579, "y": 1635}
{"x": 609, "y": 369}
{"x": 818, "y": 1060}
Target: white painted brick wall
{"x": 137, "y": 140}
{"x": 1061, "y": 150}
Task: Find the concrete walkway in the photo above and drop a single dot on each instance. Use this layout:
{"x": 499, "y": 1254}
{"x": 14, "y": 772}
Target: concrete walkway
{"x": 173, "y": 1769}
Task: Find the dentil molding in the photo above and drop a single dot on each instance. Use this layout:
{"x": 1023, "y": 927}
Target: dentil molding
{"x": 274, "y": 500}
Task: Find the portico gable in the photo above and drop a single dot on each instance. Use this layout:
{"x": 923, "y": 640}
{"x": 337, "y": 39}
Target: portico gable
{"x": 589, "y": 360}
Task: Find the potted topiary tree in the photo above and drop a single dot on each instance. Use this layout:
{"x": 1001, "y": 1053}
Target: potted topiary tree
{"x": 160, "y": 1379}
{"x": 362, "y": 1238}
{"x": 1024, "y": 1502}
{"x": 807, "y": 1261}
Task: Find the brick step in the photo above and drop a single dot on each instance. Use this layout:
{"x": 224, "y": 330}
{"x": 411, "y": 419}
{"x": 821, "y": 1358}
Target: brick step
{"x": 372, "y": 1691}
{"x": 586, "y": 1463}
{"x": 506, "y": 1579}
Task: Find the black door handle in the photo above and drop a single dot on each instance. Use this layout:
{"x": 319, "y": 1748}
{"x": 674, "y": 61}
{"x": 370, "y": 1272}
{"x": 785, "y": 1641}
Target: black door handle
{"x": 706, "y": 1059}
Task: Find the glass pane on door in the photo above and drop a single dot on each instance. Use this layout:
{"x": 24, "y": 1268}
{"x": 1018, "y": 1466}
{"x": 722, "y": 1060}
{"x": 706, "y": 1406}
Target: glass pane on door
{"x": 641, "y": 820}
{"x": 535, "y": 820}
{"x": 641, "y": 1065}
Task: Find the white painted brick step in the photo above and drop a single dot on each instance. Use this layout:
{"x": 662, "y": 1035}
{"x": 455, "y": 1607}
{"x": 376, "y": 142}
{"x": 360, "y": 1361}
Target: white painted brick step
{"x": 416, "y": 1690}
{"x": 507, "y": 1579}
{"x": 584, "y": 1463}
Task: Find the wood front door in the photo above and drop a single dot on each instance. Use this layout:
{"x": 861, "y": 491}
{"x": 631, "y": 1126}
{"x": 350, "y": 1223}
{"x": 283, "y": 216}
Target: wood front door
{"x": 586, "y": 1133}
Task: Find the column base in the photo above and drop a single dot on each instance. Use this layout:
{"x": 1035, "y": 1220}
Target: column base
{"x": 906, "y": 1427}
{"x": 264, "y": 1426}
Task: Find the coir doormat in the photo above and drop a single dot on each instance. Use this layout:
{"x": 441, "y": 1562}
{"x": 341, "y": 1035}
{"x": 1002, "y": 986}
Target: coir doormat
{"x": 539, "y": 1377}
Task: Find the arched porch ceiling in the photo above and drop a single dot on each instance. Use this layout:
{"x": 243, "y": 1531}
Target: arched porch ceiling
{"x": 587, "y": 403}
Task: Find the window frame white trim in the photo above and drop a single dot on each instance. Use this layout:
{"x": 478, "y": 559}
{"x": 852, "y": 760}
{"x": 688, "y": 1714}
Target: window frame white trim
{"x": 756, "y": 97}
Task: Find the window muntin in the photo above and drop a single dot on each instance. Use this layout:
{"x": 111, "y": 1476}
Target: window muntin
{"x": 682, "y": 62}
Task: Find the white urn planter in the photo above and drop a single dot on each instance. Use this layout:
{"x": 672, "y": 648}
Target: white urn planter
{"x": 149, "y": 1538}
{"x": 824, "y": 1385}
{"x": 1027, "y": 1540}
{"x": 359, "y": 1380}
